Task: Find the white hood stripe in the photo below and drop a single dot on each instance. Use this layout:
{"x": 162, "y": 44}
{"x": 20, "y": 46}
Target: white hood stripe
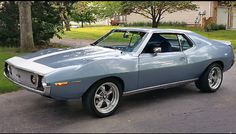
{"x": 60, "y": 52}
{"x": 27, "y": 65}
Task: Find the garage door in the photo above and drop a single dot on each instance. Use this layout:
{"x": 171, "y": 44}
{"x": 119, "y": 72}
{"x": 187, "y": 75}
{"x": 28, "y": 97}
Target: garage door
{"x": 234, "y": 18}
{"x": 222, "y": 15}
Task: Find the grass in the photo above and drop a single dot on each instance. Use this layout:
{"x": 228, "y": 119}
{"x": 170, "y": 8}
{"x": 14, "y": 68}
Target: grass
{"x": 93, "y": 33}
{"x": 87, "y": 33}
{"x": 6, "y": 85}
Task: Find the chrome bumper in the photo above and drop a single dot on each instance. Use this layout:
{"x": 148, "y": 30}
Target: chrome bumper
{"x": 46, "y": 91}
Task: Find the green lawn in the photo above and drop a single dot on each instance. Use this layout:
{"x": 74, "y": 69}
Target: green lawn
{"x": 87, "y": 33}
{"x": 92, "y": 33}
{"x": 6, "y": 85}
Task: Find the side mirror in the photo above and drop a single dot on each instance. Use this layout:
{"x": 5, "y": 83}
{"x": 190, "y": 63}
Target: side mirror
{"x": 157, "y": 50}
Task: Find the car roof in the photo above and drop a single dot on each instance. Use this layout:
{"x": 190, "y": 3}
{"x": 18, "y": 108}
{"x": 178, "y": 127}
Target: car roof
{"x": 156, "y": 30}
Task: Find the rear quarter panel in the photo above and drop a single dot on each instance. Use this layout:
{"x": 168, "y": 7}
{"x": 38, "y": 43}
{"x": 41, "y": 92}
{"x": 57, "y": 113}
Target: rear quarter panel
{"x": 205, "y": 52}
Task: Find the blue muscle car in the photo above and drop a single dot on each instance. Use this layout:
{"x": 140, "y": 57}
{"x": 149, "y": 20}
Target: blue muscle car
{"x": 124, "y": 61}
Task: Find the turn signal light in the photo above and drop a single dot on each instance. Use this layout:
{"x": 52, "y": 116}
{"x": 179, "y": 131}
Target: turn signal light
{"x": 61, "y": 83}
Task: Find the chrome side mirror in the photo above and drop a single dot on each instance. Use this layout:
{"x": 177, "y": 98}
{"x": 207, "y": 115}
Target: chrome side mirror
{"x": 157, "y": 50}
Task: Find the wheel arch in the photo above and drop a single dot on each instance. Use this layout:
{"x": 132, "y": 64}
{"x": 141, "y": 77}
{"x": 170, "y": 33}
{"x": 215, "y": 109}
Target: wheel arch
{"x": 106, "y": 78}
{"x": 219, "y": 62}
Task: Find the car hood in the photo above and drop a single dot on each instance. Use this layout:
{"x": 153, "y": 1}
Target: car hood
{"x": 48, "y": 60}
{"x": 58, "y": 58}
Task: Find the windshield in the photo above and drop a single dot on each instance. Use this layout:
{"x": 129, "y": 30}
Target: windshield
{"x": 122, "y": 40}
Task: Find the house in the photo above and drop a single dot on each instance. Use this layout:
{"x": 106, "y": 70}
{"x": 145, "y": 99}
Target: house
{"x": 208, "y": 9}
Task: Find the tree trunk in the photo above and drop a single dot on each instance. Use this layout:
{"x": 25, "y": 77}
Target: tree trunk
{"x": 154, "y": 23}
{"x": 82, "y": 24}
{"x": 26, "y": 33}
{"x": 67, "y": 24}
{"x": 158, "y": 20}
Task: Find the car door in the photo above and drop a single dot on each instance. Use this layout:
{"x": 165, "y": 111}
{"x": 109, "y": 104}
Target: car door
{"x": 163, "y": 67}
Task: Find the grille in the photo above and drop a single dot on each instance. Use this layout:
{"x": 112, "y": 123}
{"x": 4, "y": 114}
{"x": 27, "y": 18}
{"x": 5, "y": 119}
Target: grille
{"x": 24, "y": 77}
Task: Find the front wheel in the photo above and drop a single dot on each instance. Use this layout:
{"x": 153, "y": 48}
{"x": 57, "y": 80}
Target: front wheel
{"x": 211, "y": 79}
{"x": 103, "y": 98}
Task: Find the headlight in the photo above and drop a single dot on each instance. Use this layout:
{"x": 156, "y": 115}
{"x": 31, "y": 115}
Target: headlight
{"x": 34, "y": 79}
{"x": 8, "y": 67}
{"x": 44, "y": 84}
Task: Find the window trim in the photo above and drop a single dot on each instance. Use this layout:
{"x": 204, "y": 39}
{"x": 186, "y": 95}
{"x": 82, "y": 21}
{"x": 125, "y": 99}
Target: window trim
{"x": 188, "y": 40}
{"x": 165, "y": 33}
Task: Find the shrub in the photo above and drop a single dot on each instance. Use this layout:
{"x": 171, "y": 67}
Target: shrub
{"x": 170, "y": 23}
{"x": 9, "y": 28}
{"x": 214, "y": 27}
{"x": 143, "y": 24}
{"x": 138, "y": 24}
{"x": 46, "y": 22}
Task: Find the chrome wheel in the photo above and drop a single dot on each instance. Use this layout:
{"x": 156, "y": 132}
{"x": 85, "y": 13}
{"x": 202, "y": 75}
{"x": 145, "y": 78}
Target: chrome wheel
{"x": 106, "y": 97}
{"x": 215, "y": 77}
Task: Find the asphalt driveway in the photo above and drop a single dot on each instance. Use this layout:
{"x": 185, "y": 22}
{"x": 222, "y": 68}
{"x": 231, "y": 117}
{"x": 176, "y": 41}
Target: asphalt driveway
{"x": 181, "y": 109}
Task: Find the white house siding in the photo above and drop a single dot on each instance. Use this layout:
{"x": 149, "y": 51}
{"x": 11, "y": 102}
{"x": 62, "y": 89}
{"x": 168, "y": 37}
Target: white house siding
{"x": 222, "y": 15}
{"x": 136, "y": 18}
{"x": 180, "y": 16}
{"x": 102, "y": 22}
{"x": 234, "y": 19}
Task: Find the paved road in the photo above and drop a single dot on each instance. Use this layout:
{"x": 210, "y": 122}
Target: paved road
{"x": 181, "y": 109}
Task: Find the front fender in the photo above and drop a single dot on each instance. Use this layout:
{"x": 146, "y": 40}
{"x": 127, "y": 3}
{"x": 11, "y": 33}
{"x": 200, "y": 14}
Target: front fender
{"x": 80, "y": 78}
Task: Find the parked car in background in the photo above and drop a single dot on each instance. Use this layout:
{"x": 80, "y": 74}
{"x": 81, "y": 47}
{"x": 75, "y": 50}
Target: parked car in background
{"x": 124, "y": 61}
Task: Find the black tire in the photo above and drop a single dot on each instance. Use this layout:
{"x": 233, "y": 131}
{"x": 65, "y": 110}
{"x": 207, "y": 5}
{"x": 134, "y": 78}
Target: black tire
{"x": 88, "y": 99}
{"x": 203, "y": 83}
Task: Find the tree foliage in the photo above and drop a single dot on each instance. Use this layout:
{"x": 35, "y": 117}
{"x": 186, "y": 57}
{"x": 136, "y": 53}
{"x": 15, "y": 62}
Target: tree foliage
{"x": 154, "y": 10}
{"x": 227, "y": 3}
{"x": 65, "y": 8}
{"x": 84, "y": 12}
{"x": 9, "y": 24}
{"x": 108, "y": 9}
{"x": 46, "y": 22}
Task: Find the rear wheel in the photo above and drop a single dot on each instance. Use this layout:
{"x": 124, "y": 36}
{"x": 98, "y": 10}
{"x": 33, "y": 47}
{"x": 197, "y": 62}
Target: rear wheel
{"x": 211, "y": 79}
{"x": 103, "y": 98}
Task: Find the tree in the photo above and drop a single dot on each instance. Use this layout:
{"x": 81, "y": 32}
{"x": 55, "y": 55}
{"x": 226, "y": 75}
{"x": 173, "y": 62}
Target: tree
{"x": 26, "y": 33}
{"x": 9, "y": 24}
{"x": 154, "y": 10}
{"x": 108, "y": 9}
{"x": 65, "y": 8}
{"x": 83, "y": 12}
{"x": 46, "y": 22}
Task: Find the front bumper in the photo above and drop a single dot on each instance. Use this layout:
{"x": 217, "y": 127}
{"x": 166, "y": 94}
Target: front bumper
{"x": 45, "y": 92}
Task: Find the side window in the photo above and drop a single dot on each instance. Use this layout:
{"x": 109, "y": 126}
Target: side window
{"x": 184, "y": 42}
{"x": 165, "y": 42}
